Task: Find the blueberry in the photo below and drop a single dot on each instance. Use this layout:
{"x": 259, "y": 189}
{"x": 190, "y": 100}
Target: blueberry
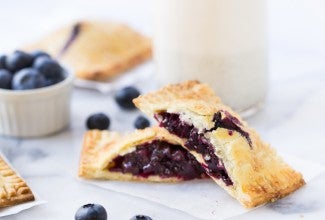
{"x": 157, "y": 154}
{"x": 28, "y": 78}
{"x": 5, "y": 79}
{"x": 125, "y": 96}
{"x": 3, "y": 61}
{"x": 166, "y": 152}
{"x": 98, "y": 121}
{"x": 50, "y": 82}
{"x": 48, "y": 67}
{"x": 148, "y": 169}
{"x": 141, "y": 217}
{"x": 38, "y": 53}
{"x": 178, "y": 156}
{"x": 18, "y": 60}
{"x": 130, "y": 167}
{"x": 141, "y": 122}
{"x": 91, "y": 212}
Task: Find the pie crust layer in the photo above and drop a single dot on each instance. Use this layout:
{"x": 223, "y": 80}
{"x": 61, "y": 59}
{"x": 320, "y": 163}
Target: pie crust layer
{"x": 13, "y": 189}
{"x": 232, "y": 153}
{"x": 96, "y": 50}
{"x": 151, "y": 154}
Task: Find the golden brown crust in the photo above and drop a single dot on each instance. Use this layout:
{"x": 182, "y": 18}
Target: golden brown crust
{"x": 100, "y": 51}
{"x": 13, "y": 189}
{"x": 101, "y": 147}
{"x": 190, "y": 95}
{"x": 259, "y": 175}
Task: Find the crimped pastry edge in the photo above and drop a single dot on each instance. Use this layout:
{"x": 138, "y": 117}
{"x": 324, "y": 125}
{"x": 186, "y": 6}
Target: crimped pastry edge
{"x": 21, "y": 194}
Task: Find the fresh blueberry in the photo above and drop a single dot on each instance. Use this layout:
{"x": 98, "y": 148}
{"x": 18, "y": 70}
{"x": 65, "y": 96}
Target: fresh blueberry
{"x": 3, "y": 61}
{"x": 18, "y": 60}
{"x": 38, "y": 53}
{"x": 50, "y": 82}
{"x": 5, "y": 79}
{"x": 48, "y": 67}
{"x": 91, "y": 212}
{"x": 141, "y": 122}
{"x": 141, "y": 217}
{"x": 28, "y": 78}
{"x": 98, "y": 121}
{"x": 125, "y": 96}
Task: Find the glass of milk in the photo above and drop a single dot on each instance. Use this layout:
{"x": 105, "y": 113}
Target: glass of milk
{"x": 219, "y": 42}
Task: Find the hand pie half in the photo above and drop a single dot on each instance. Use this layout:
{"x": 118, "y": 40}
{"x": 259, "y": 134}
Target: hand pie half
{"x": 231, "y": 152}
{"x": 151, "y": 154}
{"x": 13, "y": 189}
{"x": 96, "y": 50}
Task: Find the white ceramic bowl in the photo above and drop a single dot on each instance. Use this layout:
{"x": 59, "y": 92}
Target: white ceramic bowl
{"x": 36, "y": 112}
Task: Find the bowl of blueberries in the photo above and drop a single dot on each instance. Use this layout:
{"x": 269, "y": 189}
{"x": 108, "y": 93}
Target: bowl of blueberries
{"x": 35, "y": 94}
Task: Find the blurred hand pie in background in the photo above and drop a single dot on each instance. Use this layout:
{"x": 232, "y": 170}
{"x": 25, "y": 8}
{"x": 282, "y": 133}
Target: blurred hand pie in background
{"x": 96, "y": 50}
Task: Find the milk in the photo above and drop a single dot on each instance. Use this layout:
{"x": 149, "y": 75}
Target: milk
{"x": 219, "y": 42}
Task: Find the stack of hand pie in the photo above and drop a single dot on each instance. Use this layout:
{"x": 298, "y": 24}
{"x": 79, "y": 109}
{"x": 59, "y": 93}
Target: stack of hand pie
{"x": 198, "y": 137}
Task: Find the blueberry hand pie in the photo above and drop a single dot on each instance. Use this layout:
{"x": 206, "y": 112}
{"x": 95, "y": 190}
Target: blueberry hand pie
{"x": 97, "y": 50}
{"x": 230, "y": 151}
{"x": 13, "y": 189}
{"x": 151, "y": 154}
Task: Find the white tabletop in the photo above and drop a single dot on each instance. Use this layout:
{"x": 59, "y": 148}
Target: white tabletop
{"x": 292, "y": 120}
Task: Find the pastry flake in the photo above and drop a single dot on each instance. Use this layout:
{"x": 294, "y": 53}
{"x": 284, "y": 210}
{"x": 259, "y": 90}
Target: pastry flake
{"x": 96, "y": 50}
{"x": 151, "y": 155}
{"x": 13, "y": 189}
{"x": 231, "y": 152}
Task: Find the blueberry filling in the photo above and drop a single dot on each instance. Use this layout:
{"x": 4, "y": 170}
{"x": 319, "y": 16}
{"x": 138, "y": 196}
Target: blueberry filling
{"x": 73, "y": 35}
{"x": 159, "y": 158}
{"x": 197, "y": 142}
{"x": 229, "y": 122}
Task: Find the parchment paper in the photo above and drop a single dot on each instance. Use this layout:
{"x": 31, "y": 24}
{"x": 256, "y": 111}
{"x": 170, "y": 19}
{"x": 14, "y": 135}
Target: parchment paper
{"x": 20, "y": 207}
{"x": 201, "y": 198}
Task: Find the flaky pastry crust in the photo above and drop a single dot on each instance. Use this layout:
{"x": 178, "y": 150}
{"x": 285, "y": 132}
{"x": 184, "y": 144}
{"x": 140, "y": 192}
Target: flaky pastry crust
{"x": 98, "y": 50}
{"x": 258, "y": 174}
{"x": 101, "y": 147}
{"x": 13, "y": 189}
